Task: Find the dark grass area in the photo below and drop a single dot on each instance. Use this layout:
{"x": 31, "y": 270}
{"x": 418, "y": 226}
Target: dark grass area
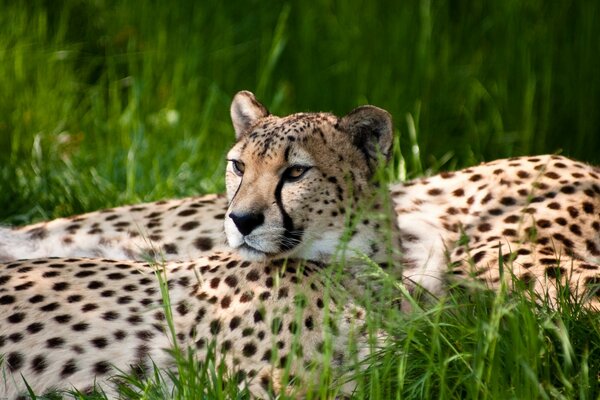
{"x": 104, "y": 102}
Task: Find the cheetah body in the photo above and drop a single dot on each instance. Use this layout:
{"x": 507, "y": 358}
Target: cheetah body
{"x": 68, "y": 323}
{"x": 538, "y": 217}
{"x": 540, "y": 214}
{"x": 172, "y": 229}
{"x": 293, "y": 185}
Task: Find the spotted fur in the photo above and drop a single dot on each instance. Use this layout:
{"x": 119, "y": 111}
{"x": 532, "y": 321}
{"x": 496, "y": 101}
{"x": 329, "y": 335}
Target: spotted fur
{"x": 538, "y": 217}
{"x": 66, "y": 323}
{"x": 170, "y": 229}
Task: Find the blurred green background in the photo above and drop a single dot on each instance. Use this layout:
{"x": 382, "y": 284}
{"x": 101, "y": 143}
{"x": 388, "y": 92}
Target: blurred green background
{"x": 105, "y": 102}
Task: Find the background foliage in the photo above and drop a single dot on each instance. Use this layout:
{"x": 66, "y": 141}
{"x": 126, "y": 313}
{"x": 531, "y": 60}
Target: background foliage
{"x": 105, "y": 102}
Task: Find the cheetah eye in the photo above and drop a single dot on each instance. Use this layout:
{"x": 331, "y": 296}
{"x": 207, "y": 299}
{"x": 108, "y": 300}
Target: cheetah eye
{"x": 295, "y": 172}
{"x": 238, "y": 167}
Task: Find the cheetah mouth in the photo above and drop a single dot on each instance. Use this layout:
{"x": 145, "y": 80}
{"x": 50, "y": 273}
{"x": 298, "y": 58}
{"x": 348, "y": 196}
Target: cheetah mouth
{"x": 252, "y": 253}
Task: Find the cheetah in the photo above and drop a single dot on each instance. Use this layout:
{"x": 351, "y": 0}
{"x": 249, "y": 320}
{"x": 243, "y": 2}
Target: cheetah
{"x": 538, "y": 215}
{"x": 297, "y": 188}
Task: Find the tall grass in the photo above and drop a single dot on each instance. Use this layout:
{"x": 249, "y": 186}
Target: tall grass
{"x": 105, "y": 102}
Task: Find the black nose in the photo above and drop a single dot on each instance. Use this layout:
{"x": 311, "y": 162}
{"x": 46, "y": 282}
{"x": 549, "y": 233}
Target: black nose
{"x": 246, "y": 223}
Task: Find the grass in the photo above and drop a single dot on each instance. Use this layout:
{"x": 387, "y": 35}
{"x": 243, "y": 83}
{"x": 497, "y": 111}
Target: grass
{"x": 105, "y": 103}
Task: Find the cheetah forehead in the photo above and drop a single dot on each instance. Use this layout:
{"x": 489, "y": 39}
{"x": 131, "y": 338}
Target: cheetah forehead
{"x": 292, "y": 139}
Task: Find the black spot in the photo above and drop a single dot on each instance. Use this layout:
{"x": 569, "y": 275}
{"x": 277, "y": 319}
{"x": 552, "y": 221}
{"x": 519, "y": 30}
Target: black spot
{"x": 267, "y": 355}
{"x": 101, "y": 367}
{"x": 7, "y": 299}
{"x": 214, "y": 282}
{"x": 185, "y": 213}
{"x": 95, "y": 285}
{"x": 508, "y": 201}
{"x": 60, "y": 286}
{"x": 15, "y": 361}
{"x": 16, "y": 317}
{"x": 561, "y": 221}
{"x": 63, "y": 318}
{"x": 485, "y": 227}
{"x": 99, "y": 342}
{"x": 320, "y": 303}
{"x": 588, "y": 208}
{"x": 134, "y": 319}
{"x": 144, "y": 335}
{"x": 231, "y": 281}
{"x": 124, "y": 300}
{"x": 115, "y": 276}
{"x": 15, "y": 337}
{"x": 170, "y": 248}
{"x": 568, "y": 189}
{"x": 554, "y": 206}
{"x": 182, "y": 308}
{"x": 85, "y": 273}
{"x": 203, "y": 243}
{"x": 35, "y": 327}
{"x": 50, "y": 307}
{"x": 80, "y": 327}
{"x": 74, "y": 298}
{"x": 215, "y": 326}
{"x": 249, "y": 349}
{"x": 544, "y": 223}
{"x": 478, "y": 256}
{"x": 246, "y": 296}
{"x": 283, "y": 293}
{"x": 258, "y": 316}
{"x": 592, "y": 248}
{"x": 247, "y": 332}
{"x": 234, "y": 323}
{"x": 253, "y": 275}
{"x": 188, "y": 226}
{"x": 55, "y": 342}
{"x": 120, "y": 334}
{"x": 24, "y": 286}
{"x": 89, "y": 307}
{"x": 39, "y": 364}
{"x": 575, "y": 229}
{"x": 308, "y": 323}
{"x": 554, "y": 272}
{"x": 226, "y": 302}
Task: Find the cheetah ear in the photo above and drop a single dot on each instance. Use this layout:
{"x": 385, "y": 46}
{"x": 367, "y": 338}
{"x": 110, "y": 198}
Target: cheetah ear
{"x": 245, "y": 111}
{"x": 371, "y": 131}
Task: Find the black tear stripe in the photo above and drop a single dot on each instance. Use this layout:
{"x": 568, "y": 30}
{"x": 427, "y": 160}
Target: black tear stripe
{"x": 292, "y": 235}
{"x": 286, "y": 153}
{"x": 236, "y": 191}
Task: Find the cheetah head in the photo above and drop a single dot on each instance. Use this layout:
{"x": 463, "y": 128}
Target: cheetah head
{"x": 293, "y": 182}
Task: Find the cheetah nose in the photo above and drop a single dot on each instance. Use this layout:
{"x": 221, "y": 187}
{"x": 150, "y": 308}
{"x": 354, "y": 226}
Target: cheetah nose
{"x": 246, "y": 223}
